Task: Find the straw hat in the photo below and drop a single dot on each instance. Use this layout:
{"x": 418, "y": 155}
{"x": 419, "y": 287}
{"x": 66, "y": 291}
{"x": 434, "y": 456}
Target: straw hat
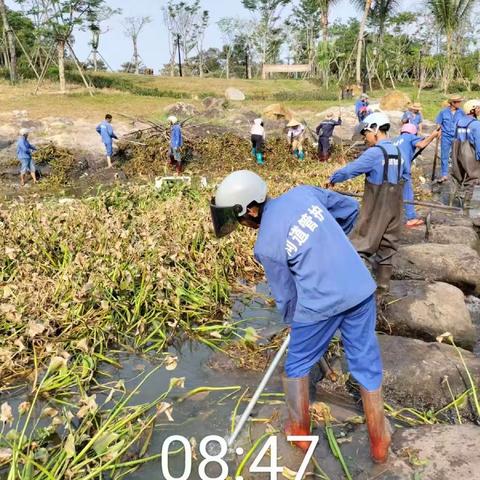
{"x": 24, "y": 131}
{"x": 293, "y": 123}
{"x": 416, "y": 106}
{"x": 455, "y": 98}
{"x": 329, "y": 115}
{"x": 364, "y": 95}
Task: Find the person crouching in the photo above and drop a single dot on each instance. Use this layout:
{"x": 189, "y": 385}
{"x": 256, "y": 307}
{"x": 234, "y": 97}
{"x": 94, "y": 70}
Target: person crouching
{"x": 325, "y": 133}
{"x": 24, "y": 155}
{"x": 257, "y": 133}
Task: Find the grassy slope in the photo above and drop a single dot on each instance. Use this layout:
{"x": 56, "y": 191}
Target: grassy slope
{"x": 296, "y": 94}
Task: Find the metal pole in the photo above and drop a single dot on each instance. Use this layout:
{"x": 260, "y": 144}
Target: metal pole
{"x": 416, "y": 202}
{"x": 179, "y": 57}
{"x": 258, "y": 392}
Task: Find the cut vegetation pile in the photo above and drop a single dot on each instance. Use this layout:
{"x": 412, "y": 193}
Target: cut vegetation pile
{"x": 64, "y": 166}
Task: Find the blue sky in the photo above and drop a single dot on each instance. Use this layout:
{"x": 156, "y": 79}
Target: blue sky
{"x": 153, "y": 46}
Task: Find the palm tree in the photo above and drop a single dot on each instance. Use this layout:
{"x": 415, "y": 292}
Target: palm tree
{"x": 324, "y": 7}
{"x": 361, "y": 31}
{"x": 449, "y": 15}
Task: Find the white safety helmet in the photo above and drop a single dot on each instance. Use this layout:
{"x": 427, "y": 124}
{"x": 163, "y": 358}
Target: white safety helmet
{"x": 470, "y": 105}
{"x": 172, "y": 119}
{"x": 24, "y": 131}
{"x": 236, "y": 192}
{"x": 374, "y": 121}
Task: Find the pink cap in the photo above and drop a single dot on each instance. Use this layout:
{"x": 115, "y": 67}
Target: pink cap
{"x": 409, "y": 128}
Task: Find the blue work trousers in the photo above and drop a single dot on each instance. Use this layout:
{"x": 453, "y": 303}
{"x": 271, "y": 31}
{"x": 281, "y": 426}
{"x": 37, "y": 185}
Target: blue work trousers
{"x": 408, "y": 196}
{"x": 446, "y": 148}
{"x": 309, "y": 342}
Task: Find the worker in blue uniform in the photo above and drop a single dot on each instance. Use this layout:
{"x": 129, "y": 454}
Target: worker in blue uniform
{"x": 362, "y": 109}
{"x": 24, "y": 155}
{"x": 176, "y": 143}
{"x": 414, "y": 115}
{"x": 377, "y": 233}
{"x": 319, "y": 283}
{"x": 409, "y": 142}
{"x": 105, "y": 130}
{"x": 447, "y": 120}
{"x": 466, "y": 149}
{"x": 325, "y": 133}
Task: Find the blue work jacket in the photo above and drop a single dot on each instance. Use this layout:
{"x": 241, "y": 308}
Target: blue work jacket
{"x": 312, "y": 268}
{"x": 176, "y": 140}
{"x": 468, "y": 128}
{"x": 359, "y": 104}
{"x": 448, "y": 122}
{"x": 105, "y": 130}
{"x": 414, "y": 118}
{"x": 407, "y": 143}
{"x": 371, "y": 163}
{"x": 24, "y": 149}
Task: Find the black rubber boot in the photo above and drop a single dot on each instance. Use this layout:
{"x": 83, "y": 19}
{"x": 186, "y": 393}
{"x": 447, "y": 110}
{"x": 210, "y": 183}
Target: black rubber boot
{"x": 383, "y": 275}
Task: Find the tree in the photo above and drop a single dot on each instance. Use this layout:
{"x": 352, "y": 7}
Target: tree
{"x": 12, "y": 55}
{"x": 361, "y": 33}
{"x": 449, "y": 16}
{"x": 56, "y": 20}
{"x": 132, "y": 29}
{"x": 304, "y": 30}
{"x": 269, "y": 32}
{"x": 200, "y": 26}
{"x": 324, "y": 7}
{"x": 94, "y": 20}
{"x": 230, "y": 28}
{"x": 186, "y": 23}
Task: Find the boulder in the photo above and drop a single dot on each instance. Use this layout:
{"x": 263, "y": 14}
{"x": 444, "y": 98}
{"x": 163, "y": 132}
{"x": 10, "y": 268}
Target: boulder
{"x": 444, "y": 234}
{"x": 415, "y": 373}
{"x": 440, "y": 217}
{"x": 426, "y": 310}
{"x": 440, "y": 452}
{"x": 410, "y": 236}
{"x": 455, "y": 264}
{"x": 394, "y": 100}
{"x": 277, "y": 111}
{"x": 213, "y": 102}
{"x": 181, "y": 109}
{"x": 234, "y": 94}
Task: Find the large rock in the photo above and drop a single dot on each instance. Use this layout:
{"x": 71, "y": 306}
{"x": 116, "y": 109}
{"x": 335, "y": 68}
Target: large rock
{"x": 441, "y": 452}
{"x": 446, "y": 235}
{"x": 277, "y": 111}
{"x": 234, "y": 94}
{"x": 394, "y": 100}
{"x": 455, "y": 264}
{"x": 415, "y": 373}
{"x": 426, "y": 310}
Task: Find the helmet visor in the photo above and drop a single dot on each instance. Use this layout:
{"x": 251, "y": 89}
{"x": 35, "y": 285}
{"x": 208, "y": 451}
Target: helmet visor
{"x": 224, "y": 219}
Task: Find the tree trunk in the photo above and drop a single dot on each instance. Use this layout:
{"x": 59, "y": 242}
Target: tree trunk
{"x": 61, "y": 64}
{"x": 95, "y": 60}
{"x": 325, "y": 26}
{"x": 12, "y": 54}
{"x": 227, "y": 67}
{"x": 200, "y": 64}
{"x": 449, "y": 63}
{"x": 136, "y": 60}
{"x": 360, "y": 42}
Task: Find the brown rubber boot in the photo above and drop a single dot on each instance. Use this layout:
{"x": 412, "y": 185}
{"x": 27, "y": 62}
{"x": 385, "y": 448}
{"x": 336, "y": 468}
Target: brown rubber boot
{"x": 378, "y": 430}
{"x": 297, "y": 400}
{"x": 383, "y": 275}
